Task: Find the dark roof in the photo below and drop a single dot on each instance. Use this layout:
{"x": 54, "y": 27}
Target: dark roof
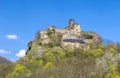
{"x": 74, "y": 40}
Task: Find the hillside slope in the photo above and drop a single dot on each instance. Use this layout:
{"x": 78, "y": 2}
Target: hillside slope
{"x": 4, "y": 60}
{"x": 68, "y": 38}
{"x": 66, "y": 53}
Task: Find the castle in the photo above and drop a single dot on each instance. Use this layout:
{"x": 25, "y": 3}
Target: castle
{"x": 73, "y": 28}
{"x": 70, "y": 37}
{"x": 72, "y": 31}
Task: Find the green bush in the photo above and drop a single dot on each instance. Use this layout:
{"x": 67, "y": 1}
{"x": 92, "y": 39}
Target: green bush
{"x": 94, "y": 53}
{"x": 48, "y": 65}
{"x": 112, "y": 73}
{"x": 49, "y": 56}
{"x": 112, "y": 50}
{"x": 61, "y": 53}
{"x": 18, "y": 70}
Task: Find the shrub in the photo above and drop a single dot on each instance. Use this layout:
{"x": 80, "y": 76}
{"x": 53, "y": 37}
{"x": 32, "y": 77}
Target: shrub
{"x": 112, "y": 50}
{"x": 49, "y": 56}
{"x": 49, "y": 32}
{"x": 38, "y": 35}
{"x": 112, "y": 73}
{"x": 90, "y": 42}
{"x": 48, "y": 65}
{"x": 18, "y": 70}
{"x": 94, "y": 53}
{"x": 61, "y": 53}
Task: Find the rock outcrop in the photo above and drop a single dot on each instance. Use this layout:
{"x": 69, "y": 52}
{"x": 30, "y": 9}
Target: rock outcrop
{"x": 70, "y": 37}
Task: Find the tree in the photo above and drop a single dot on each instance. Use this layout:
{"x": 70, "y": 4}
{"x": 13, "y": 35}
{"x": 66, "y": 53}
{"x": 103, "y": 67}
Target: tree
{"x": 112, "y": 73}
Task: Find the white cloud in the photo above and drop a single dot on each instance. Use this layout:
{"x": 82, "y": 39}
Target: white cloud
{"x": 21, "y": 53}
{"x": 3, "y": 51}
{"x": 13, "y": 37}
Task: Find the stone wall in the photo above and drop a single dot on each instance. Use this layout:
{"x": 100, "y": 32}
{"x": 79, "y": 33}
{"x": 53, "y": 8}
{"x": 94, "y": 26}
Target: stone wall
{"x": 73, "y": 31}
{"x": 44, "y": 37}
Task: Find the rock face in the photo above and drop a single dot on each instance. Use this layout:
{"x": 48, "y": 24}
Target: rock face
{"x": 82, "y": 41}
{"x": 70, "y": 37}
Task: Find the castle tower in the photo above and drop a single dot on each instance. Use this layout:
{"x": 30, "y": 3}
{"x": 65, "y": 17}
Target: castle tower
{"x": 77, "y": 28}
{"x": 73, "y": 28}
{"x": 71, "y": 22}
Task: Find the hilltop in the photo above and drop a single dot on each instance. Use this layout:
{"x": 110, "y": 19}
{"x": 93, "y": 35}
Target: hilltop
{"x": 66, "y": 53}
{"x": 69, "y": 38}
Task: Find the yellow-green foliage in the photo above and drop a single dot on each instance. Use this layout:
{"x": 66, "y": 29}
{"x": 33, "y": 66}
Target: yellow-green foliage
{"x": 61, "y": 53}
{"x": 69, "y": 52}
{"x": 48, "y": 65}
{"x": 94, "y": 53}
{"x": 49, "y": 56}
{"x": 19, "y": 69}
{"x": 112, "y": 50}
{"x": 101, "y": 46}
{"x": 85, "y": 33}
{"x": 49, "y": 32}
{"x": 112, "y": 73}
{"x": 38, "y": 62}
{"x": 53, "y": 37}
{"x": 90, "y": 41}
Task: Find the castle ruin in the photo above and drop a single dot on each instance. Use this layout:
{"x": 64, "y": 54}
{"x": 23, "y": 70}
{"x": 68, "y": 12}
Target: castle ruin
{"x": 73, "y": 28}
{"x": 69, "y": 37}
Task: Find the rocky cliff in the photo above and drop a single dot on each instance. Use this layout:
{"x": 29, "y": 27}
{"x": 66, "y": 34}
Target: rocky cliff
{"x": 61, "y": 38}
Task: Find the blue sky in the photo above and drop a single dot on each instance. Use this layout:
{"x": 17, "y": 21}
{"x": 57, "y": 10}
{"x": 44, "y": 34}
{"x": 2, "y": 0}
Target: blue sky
{"x": 21, "y": 19}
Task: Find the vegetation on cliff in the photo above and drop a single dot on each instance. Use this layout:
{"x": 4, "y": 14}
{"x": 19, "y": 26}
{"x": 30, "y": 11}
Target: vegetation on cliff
{"x": 54, "y": 61}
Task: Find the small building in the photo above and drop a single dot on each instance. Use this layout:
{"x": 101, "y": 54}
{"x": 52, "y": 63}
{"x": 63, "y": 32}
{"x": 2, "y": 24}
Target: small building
{"x": 73, "y": 28}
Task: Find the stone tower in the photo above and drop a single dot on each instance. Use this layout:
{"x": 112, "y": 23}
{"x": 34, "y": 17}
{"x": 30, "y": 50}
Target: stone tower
{"x": 73, "y": 28}
{"x": 71, "y": 22}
